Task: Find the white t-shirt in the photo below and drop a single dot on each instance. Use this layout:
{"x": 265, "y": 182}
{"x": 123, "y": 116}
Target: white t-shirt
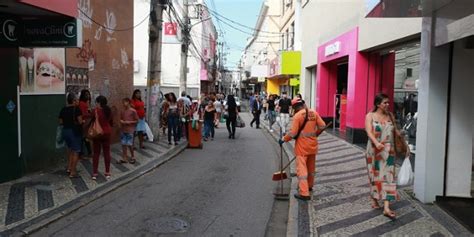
{"x": 218, "y": 106}
{"x": 186, "y": 100}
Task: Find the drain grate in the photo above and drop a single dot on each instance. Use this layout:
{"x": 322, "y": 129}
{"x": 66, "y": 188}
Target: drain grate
{"x": 168, "y": 225}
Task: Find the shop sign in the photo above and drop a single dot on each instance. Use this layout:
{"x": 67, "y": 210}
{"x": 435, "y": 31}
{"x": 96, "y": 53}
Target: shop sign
{"x": 37, "y": 33}
{"x": 294, "y": 82}
{"x": 261, "y": 79}
{"x": 332, "y": 49}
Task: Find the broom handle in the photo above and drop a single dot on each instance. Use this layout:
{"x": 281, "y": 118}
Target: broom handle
{"x": 294, "y": 158}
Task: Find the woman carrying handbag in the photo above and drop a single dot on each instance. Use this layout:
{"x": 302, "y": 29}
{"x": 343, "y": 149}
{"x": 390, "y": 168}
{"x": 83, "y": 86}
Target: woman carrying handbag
{"x": 100, "y": 132}
{"x": 381, "y": 153}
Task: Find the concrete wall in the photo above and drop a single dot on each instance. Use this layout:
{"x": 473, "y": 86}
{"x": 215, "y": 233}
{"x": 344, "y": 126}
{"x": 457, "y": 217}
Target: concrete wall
{"x": 110, "y": 50}
{"x": 433, "y": 104}
{"x": 458, "y": 180}
{"x": 376, "y": 33}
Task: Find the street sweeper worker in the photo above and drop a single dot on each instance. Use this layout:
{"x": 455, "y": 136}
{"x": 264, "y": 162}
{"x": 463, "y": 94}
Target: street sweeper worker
{"x": 306, "y": 125}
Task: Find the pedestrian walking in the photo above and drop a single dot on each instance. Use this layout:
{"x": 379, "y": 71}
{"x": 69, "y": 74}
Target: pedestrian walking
{"x": 230, "y": 115}
{"x": 256, "y": 111}
{"x": 173, "y": 119}
{"x": 103, "y": 114}
{"x": 164, "y": 114}
{"x": 183, "y": 111}
{"x": 84, "y": 106}
{"x": 186, "y": 100}
{"x": 210, "y": 117}
{"x": 128, "y": 121}
{"x": 70, "y": 118}
{"x": 139, "y": 106}
{"x": 381, "y": 155}
{"x": 219, "y": 107}
{"x": 283, "y": 107}
{"x": 304, "y": 130}
{"x": 271, "y": 111}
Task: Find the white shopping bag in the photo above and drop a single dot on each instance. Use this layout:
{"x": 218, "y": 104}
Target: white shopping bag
{"x": 149, "y": 134}
{"x": 405, "y": 176}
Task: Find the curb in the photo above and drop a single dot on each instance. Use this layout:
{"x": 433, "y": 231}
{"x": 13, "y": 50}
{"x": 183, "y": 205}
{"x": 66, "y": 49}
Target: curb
{"x": 292, "y": 225}
{"x": 28, "y": 227}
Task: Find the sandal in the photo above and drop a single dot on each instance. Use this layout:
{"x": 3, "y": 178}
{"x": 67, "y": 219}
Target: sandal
{"x": 122, "y": 161}
{"x": 390, "y": 214}
{"x": 375, "y": 204}
{"x": 132, "y": 161}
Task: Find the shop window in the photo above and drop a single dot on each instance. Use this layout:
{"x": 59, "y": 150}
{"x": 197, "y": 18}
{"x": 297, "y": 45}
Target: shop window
{"x": 407, "y": 72}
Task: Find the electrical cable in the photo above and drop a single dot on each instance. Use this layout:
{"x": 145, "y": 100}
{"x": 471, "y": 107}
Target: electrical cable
{"x": 213, "y": 12}
{"x": 108, "y": 28}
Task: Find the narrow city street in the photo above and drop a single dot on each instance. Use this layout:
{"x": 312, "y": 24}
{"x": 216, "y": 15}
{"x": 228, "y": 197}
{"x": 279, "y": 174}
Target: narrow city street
{"x": 223, "y": 190}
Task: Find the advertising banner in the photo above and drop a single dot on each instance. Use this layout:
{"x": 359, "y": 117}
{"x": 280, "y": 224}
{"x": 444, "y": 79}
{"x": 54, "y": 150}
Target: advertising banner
{"x": 41, "y": 33}
{"x": 42, "y": 71}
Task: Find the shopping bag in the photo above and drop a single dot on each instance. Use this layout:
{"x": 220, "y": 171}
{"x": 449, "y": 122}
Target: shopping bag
{"x": 240, "y": 123}
{"x": 405, "y": 176}
{"x": 148, "y": 132}
{"x": 60, "y": 143}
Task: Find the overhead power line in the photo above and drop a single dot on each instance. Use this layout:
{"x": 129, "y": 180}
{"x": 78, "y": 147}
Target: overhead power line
{"x": 108, "y": 28}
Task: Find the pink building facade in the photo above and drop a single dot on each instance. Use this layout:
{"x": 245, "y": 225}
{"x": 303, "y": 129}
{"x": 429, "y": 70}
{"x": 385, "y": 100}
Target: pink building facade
{"x": 344, "y": 70}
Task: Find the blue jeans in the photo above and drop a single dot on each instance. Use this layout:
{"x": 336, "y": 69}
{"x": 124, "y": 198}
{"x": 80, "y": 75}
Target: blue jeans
{"x": 209, "y": 128}
{"x": 173, "y": 122}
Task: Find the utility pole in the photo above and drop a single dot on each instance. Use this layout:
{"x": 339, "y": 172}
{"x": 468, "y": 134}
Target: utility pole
{"x": 154, "y": 65}
{"x": 184, "y": 48}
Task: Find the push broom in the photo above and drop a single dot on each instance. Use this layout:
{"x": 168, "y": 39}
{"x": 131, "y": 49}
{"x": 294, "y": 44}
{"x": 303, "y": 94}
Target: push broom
{"x": 281, "y": 175}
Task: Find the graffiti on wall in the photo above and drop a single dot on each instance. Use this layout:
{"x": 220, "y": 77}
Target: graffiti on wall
{"x": 87, "y": 53}
{"x": 110, "y": 24}
{"x": 85, "y": 12}
{"x": 124, "y": 57}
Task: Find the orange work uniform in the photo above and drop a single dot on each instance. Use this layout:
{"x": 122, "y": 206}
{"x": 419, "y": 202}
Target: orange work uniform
{"x": 306, "y": 147}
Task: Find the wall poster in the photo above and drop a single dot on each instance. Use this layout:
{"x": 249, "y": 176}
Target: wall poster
{"x": 42, "y": 71}
{"x": 77, "y": 79}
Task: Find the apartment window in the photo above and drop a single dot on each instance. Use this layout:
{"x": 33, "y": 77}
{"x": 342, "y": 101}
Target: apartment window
{"x": 292, "y": 35}
{"x": 287, "y": 36}
{"x": 282, "y": 41}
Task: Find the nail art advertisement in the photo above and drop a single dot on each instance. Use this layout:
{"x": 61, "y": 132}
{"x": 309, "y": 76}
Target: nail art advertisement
{"x": 42, "y": 71}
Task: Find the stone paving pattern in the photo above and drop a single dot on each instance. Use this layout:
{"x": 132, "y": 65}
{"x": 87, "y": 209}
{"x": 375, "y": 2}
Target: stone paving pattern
{"x": 341, "y": 206}
{"x": 32, "y": 195}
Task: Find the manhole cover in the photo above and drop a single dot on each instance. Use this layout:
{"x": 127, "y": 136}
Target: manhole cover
{"x": 168, "y": 225}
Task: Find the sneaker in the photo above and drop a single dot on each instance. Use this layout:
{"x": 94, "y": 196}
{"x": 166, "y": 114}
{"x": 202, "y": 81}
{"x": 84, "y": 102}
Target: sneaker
{"x": 212, "y": 139}
{"x": 107, "y": 176}
{"x": 94, "y": 177}
{"x": 271, "y": 130}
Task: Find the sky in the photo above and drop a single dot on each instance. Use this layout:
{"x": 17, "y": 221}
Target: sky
{"x": 244, "y": 12}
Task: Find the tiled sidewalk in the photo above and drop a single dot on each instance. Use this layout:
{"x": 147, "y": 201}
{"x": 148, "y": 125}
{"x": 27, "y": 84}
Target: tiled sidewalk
{"x": 341, "y": 205}
{"x": 34, "y": 197}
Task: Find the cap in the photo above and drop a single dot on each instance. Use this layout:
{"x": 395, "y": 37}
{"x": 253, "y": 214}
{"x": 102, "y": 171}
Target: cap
{"x": 296, "y": 101}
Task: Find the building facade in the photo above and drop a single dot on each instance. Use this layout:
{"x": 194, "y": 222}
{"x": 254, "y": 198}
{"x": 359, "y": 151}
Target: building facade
{"x": 91, "y": 49}
{"x": 201, "y": 58}
{"x": 344, "y": 64}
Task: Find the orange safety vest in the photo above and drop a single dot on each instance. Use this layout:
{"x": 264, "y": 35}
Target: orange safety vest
{"x": 306, "y": 143}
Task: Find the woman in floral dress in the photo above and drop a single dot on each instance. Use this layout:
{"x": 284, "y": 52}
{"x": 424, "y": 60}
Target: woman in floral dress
{"x": 381, "y": 155}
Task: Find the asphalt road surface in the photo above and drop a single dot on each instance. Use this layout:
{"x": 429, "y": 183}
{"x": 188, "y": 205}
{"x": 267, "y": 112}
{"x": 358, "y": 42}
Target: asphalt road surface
{"x": 223, "y": 190}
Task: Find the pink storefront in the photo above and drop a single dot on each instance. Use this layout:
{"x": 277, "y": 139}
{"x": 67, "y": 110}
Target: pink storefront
{"x": 348, "y": 80}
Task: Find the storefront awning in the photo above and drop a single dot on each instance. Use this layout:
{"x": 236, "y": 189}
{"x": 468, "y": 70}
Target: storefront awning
{"x": 405, "y": 8}
{"x": 35, "y": 8}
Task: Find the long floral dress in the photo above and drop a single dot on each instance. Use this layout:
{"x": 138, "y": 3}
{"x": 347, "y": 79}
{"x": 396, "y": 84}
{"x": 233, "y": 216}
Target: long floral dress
{"x": 381, "y": 163}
